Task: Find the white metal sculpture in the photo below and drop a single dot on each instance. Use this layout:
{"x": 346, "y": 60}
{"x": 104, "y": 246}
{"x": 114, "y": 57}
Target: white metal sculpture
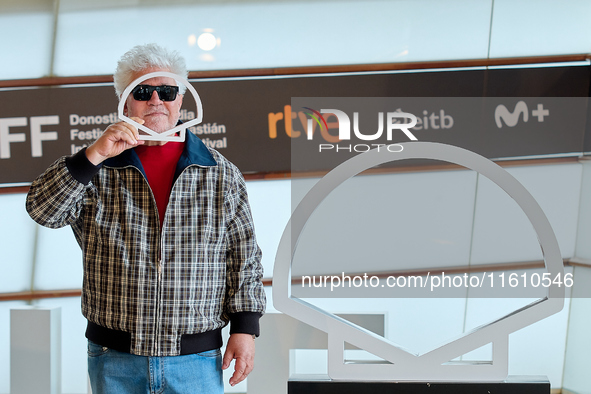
{"x": 400, "y": 364}
{"x": 170, "y": 134}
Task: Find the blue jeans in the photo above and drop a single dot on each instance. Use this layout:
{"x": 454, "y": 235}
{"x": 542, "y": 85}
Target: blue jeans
{"x": 113, "y": 372}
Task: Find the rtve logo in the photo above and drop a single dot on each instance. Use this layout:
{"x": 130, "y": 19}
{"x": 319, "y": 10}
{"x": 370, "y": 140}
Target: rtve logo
{"x": 306, "y": 122}
{"x": 502, "y": 114}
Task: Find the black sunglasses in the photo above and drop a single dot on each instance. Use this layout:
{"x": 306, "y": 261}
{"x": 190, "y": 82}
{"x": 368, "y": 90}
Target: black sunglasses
{"x": 165, "y": 92}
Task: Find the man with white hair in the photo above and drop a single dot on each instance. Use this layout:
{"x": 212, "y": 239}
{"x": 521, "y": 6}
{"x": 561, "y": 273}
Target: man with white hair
{"x": 170, "y": 255}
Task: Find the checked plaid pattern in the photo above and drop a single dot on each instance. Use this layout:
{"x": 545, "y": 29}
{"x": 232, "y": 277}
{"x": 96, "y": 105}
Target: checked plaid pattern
{"x": 203, "y": 266}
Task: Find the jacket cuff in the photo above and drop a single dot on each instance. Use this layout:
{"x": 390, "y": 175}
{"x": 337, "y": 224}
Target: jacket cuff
{"x": 245, "y": 323}
{"x": 81, "y": 168}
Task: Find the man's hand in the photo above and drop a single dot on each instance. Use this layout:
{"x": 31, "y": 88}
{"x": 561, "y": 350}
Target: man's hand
{"x": 241, "y": 348}
{"x": 114, "y": 140}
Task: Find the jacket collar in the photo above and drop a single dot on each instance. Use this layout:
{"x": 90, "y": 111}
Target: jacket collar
{"x": 195, "y": 153}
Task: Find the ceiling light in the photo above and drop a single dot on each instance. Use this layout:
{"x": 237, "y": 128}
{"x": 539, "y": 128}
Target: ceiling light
{"x": 207, "y": 41}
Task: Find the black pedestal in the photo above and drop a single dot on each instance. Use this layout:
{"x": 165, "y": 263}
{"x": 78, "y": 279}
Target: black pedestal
{"x": 513, "y": 385}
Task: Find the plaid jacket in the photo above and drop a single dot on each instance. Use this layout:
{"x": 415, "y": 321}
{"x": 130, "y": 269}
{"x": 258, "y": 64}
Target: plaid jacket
{"x": 193, "y": 276}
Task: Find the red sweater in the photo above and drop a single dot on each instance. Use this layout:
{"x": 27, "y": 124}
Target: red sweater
{"x": 159, "y": 163}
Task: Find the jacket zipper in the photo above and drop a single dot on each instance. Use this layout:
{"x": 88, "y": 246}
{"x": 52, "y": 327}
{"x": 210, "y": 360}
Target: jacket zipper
{"x": 159, "y": 261}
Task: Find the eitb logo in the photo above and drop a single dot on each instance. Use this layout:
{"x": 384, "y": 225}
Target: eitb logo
{"x": 392, "y": 120}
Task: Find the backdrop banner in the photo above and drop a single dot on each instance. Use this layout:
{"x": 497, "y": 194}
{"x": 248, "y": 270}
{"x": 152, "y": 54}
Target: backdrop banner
{"x": 252, "y": 122}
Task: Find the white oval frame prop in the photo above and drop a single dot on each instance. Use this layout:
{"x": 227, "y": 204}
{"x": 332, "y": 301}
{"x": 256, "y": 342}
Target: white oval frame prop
{"x": 400, "y": 364}
{"x": 167, "y": 136}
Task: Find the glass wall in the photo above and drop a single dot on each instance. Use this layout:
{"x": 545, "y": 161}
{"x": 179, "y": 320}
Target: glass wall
{"x": 69, "y": 37}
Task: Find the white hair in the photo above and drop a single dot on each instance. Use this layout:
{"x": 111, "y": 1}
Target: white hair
{"x": 143, "y": 57}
